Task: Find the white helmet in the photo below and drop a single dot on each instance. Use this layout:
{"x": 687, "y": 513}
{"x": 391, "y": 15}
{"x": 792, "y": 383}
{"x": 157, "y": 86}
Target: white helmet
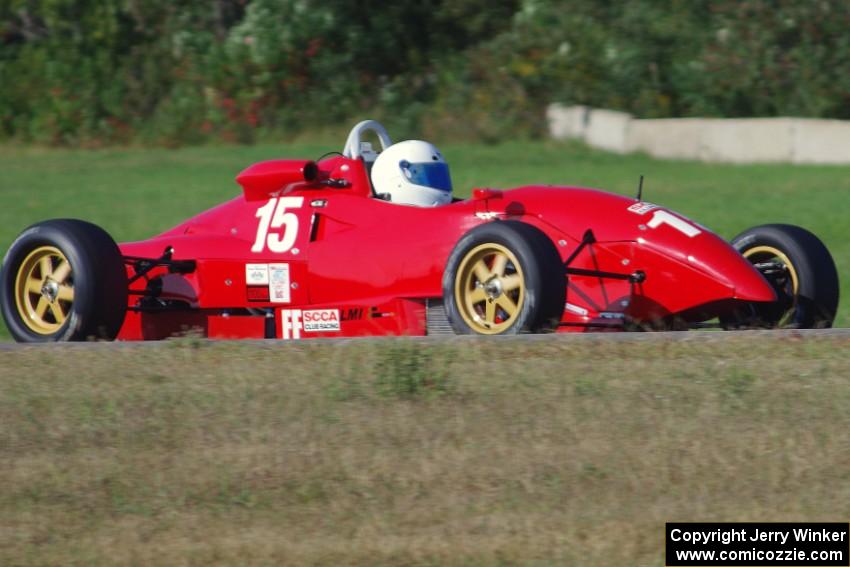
{"x": 413, "y": 173}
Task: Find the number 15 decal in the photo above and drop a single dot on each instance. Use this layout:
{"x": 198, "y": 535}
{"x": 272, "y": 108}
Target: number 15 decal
{"x": 278, "y": 228}
{"x": 663, "y": 217}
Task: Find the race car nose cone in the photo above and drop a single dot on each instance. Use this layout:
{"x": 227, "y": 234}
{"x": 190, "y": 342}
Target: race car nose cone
{"x": 750, "y": 285}
{"x": 725, "y": 264}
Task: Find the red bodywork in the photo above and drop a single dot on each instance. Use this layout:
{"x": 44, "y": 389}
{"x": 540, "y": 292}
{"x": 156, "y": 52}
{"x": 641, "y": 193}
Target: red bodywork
{"x": 308, "y": 251}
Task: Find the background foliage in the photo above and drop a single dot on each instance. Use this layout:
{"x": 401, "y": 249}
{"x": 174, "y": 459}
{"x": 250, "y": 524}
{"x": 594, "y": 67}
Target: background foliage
{"x": 154, "y": 71}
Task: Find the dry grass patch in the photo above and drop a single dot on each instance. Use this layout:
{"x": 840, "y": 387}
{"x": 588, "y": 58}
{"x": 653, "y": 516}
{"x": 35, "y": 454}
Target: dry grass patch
{"x": 468, "y": 452}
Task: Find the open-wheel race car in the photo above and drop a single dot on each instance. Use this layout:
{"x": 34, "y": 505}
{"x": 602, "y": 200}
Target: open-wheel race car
{"x": 339, "y": 248}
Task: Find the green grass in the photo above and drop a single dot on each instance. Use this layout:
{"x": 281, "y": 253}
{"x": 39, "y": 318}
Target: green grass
{"x": 198, "y": 453}
{"x": 137, "y": 193}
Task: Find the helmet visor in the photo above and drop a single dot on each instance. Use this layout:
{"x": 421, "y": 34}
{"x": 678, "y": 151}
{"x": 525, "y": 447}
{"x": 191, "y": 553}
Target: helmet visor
{"x": 433, "y": 175}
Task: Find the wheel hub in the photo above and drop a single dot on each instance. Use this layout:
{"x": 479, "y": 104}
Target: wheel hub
{"x": 493, "y": 288}
{"x": 50, "y": 290}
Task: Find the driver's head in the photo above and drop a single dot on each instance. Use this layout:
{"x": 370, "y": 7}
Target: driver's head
{"x": 413, "y": 173}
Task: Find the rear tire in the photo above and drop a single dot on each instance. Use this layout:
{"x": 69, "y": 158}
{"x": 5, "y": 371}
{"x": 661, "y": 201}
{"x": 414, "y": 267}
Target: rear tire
{"x": 800, "y": 269}
{"x": 63, "y": 280}
{"x": 503, "y": 278}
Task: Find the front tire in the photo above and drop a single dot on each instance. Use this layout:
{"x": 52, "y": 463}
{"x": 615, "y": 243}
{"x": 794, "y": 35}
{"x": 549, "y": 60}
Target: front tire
{"x": 63, "y": 280}
{"x": 800, "y": 269}
{"x": 504, "y": 277}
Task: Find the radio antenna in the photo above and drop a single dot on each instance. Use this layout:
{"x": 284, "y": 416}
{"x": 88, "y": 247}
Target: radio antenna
{"x": 640, "y": 188}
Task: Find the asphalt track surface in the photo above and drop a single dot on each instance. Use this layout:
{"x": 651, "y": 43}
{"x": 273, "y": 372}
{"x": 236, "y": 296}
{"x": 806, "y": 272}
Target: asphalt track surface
{"x": 567, "y": 338}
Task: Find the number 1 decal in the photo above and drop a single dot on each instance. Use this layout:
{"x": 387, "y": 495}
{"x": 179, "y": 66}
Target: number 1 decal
{"x": 663, "y": 217}
{"x": 274, "y": 216}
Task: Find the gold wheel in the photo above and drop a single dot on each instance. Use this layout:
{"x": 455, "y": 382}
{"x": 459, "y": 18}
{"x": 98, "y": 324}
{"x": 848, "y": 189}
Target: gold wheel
{"x": 44, "y": 290}
{"x": 789, "y": 287}
{"x": 760, "y": 254}
{"x": 490, "y": 288}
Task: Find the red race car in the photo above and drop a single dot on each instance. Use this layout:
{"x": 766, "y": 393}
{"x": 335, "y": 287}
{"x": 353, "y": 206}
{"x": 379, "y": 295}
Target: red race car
{"x": 362, "y": 243}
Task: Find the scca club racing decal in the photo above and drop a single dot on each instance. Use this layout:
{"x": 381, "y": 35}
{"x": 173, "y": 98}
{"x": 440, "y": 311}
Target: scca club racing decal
{"x": 296, "y": 321}
{"x": 320, "y": 320}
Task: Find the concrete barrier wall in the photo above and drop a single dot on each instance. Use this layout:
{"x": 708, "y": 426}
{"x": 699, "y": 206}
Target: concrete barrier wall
{"x": 608, "y": 130}
{"x": 744, "y": 140}
{"x": 567, "y": 122}
{"x": 674, "y": 139}
{"x": 821, "y": 141}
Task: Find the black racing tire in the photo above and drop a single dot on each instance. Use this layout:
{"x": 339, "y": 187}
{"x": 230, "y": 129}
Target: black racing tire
{"x": 808, "y": 289}
{"x": 83, "y": 293}
{"x": 522, "y": 272}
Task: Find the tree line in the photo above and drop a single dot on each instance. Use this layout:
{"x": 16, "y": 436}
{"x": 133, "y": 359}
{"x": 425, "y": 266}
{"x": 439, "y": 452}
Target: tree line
{"x": 98, "y": 72}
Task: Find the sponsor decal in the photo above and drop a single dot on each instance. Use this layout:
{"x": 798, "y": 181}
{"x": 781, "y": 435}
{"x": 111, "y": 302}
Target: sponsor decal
{"x": 279, "y": 283}
{"x": 290, "y": 324}
{"x": 351, "y": 314}
{"x": 257, "y": 274}
{"x": 374, "y": 313}
{"x": 318, "y": 320}
{"x": 295, "y": 321}
{"x": 642, "y": 208}
{"x": 612, "y": 315}
{"x": 576, "y": 309}
{"x": 257, "y": 293}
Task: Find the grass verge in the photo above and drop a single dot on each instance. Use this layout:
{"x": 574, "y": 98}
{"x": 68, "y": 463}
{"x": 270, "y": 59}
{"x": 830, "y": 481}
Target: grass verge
{"x": 492, "y": 452}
